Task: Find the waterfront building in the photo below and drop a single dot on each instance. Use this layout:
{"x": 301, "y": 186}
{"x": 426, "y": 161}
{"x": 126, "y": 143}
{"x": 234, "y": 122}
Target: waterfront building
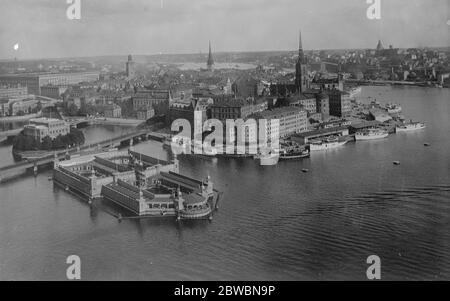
{"x": 337, "y": 123}
{"x": 171, "y": 194}
{"x": 145, "y": 113}
{"x": 22, "y": 106}
{"x": 43, "y": 127}
{"x": 291, "y": 120}
{"x": 306, "y": 137}
{"x": 227, "y": 107}
{"x": 363, "y": 125}
{"x": 339, "y": 103}
{"x": 156, "y": 99}
{"x": 310, "y": 105}
{"x": 323, "y": 105}
{"x": 34, "y": 81}
{"x": 13, "y": 91}
{"x": 53, "y": 91}
{"x": 187, "y": 109}
{"x": 88, "y": 174}
{"x": 113, "y": 111}
{"x": 79, "y": 96}
{"x": 130, "y": 68}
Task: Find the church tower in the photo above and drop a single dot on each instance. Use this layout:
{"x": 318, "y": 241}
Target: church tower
{"x": 301, "y": 69}
{"x": 130, "y": 68}
{"x": 210, "y": 63}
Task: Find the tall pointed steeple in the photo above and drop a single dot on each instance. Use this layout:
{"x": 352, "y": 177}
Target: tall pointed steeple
{"x": 300, "y": 40}
{"x": 210, "y": 63}
{"x": 301, "y": 71}
{"x": 301, "y": 56}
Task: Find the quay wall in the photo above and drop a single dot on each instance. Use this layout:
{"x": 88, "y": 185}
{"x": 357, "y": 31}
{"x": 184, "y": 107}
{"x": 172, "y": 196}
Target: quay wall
{"x": 121, "y": 199}
{"x": 76, "y": 182}
{"x": 90, "y": 187}
{"x": 130, "y": 202}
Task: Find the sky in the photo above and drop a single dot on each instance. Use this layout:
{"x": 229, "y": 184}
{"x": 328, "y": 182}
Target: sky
{"x": 120, "y": 27}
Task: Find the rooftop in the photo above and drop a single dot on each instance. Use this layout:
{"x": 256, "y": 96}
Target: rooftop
{"x": 278, "y": 111}
{"x": 44, "y": 119}
{"x": 322, "y": 132}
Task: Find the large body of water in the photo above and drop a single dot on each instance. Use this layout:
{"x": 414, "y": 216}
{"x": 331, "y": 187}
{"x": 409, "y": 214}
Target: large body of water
{"x": 274, "y": 223}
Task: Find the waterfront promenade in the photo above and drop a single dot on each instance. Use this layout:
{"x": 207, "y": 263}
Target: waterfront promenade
{"x": 75, "y": 121}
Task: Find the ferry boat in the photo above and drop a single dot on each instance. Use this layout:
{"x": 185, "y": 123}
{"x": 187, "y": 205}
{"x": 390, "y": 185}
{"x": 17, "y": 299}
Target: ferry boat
{"x": 410, "y": 126}
{"x": 294, "y": 154}
{"x": 325, "y": 144}
{"x": 268, "y": 158}
{"x": 371, "y": 134}
{"x": 393, "y": 108}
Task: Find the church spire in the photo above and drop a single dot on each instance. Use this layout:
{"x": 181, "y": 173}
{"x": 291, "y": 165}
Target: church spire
{"x": 210, "y": 62}
{"x": 301, "y": 56}
{"x": 301, "y": 71}
{"x": 300, "y": 47}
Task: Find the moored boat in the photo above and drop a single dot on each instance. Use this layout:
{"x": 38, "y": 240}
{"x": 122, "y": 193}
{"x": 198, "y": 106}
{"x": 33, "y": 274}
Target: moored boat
{"x": 410, "y": 126}
{"x": 371, "y": 134}
{"x": 325, "y": 144}
{"x": 294, "y": 154}
{"x": 393, "y": 108}
{"x": 267, "y": 158}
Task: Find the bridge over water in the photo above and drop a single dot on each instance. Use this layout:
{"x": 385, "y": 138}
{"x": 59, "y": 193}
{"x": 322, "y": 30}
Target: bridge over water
{"x": 20, "y": 168}
{"x": 76, "y": 121}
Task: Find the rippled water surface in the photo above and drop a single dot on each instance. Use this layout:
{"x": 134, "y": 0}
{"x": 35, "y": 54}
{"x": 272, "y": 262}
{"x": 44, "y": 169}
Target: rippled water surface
{"x": 274, "y": 223}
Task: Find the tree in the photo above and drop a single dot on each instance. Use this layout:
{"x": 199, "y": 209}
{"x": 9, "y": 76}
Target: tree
{"x": 88, "y": 109}
{"x": 47, "y": 143}
{"x": 72, "y": 110}
{"x": 25, "y": 143}
{"x": 76, "y": 136}
{"x": 58, "y": 143}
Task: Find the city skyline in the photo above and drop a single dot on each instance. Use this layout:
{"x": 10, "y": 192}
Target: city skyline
{"x": 43, "y": 31}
